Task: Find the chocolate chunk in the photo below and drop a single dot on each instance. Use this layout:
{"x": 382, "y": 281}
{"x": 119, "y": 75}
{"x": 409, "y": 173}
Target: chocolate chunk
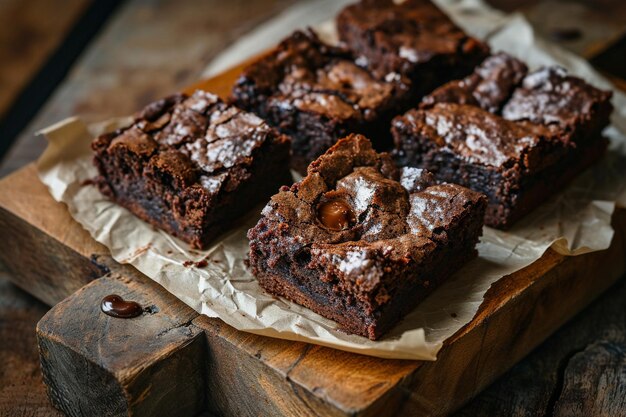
{"x": 336, "y": 215}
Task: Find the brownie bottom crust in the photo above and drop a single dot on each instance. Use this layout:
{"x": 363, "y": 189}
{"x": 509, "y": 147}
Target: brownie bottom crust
{"x": 296, "y": 281}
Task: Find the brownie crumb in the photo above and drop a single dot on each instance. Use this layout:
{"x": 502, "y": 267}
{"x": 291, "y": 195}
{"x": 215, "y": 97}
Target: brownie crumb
{"x": 201, "y": 264}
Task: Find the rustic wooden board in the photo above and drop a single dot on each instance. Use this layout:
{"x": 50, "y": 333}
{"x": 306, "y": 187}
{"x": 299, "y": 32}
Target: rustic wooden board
{"x": 251, "y": 375}
{"x": 536, "y": 385}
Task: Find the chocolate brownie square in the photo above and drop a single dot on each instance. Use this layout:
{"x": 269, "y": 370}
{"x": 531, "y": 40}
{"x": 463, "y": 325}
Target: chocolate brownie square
{"x": 551, "y": 96}
{"x": 314, "y": 93}
{"x": 413, "y": 38}
{"x": 191, "y": 165}
{"x": 516, "y": 137}
{"x": 490, "y": 85}
{"x": 361, "y": 241}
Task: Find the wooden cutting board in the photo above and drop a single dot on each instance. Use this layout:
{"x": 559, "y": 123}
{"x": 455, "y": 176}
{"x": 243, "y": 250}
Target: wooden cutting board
{"x": 175, "y": 362}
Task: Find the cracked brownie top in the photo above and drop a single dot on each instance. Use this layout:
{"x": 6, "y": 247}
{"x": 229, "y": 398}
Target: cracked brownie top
{"x": 392, "y": 36}
{"x": 488, "y": 87}
{"x": 478, "y": 136}
{"x": 504, "y": 117}
{"x": 551, "y": 96}
{"x": 548, "y": 96}
{"x": 355, "y": 206}
{"x": 195, "y": 140}
{"x": 305, "y": 74}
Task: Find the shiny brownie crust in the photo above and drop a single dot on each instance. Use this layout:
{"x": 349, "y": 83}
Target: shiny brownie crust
{"x": 403, "y": 235}
{"x": 515, "y": 136}
{"x": 191, "y": 165}
{"x": 413, "y": 38}
{"x": 316, "y": 94}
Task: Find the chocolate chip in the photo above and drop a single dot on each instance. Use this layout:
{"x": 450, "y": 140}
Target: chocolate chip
{"x": 336, "y": 215}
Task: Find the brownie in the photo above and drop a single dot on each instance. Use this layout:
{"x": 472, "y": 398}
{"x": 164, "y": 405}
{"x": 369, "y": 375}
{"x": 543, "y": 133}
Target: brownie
{"x": 362, "y": 242}
{"x": 516, "y": 137}
{"x": 190, "y": 165}
{"x": 489, "y": 86}
{"x": 551, "y": 96}
{"x": 316, "y": 94}
{"x": 412, "y": 38}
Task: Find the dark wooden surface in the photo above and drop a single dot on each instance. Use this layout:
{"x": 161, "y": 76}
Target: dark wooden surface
{"x": 22, "y": 393}
{"x": 143, "y": 366}
{"x": 29, "y": 32}
{"x": 578, "y": 371}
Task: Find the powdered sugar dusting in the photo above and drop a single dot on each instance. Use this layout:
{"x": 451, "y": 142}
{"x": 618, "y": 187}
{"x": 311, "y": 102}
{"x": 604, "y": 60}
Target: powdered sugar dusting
{"x": 415, "y": 179}
{"x": 214, "y": 183}
{"x": 357, "y": 265}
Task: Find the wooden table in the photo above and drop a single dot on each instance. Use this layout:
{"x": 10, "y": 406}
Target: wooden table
{"x": 580, "y": 370}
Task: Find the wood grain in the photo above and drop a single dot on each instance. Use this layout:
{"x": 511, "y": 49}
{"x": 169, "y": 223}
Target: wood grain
{"x": 595, "y": 382}
{"x": 294, "y": 378}
{"x": 287, "y": 359}
{"x": 536, "y": 385}
{"x": 275, "y": 376}
{"x": 49, "y": 278}
{"x": 29, "y": 33}
{"x": 94, "y": 364}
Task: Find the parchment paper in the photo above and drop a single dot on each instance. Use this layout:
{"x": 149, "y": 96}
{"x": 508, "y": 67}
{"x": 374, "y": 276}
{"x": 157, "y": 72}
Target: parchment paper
{"x": 573, "y": 222}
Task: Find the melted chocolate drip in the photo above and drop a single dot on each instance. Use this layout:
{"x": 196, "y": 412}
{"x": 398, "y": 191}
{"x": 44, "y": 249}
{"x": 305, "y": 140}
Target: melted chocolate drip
{"x": 115, "y": 306}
